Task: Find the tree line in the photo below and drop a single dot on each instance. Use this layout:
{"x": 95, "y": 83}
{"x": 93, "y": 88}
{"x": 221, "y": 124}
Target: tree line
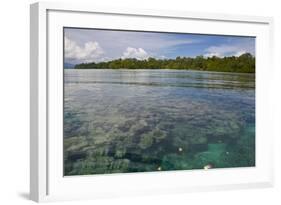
{"x": 245, "y": 63}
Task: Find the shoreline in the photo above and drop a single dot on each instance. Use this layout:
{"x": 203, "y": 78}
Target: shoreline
{"x": 144, "y": 69}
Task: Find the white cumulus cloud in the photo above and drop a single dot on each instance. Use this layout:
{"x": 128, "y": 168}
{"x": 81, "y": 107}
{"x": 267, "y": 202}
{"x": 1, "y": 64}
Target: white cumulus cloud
{"x": 209, "y": 55}
{"x": 90, "y": 51}
{"x": 229, "y": 50}
{"x": 138, "y": 53}
{"x": 239, "y": 53}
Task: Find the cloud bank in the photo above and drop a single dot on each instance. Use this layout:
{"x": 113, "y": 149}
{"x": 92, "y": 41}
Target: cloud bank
{"x": 138, "y": 53}
{"x": 90, "y": 51}
{"x": 234, "y": 49}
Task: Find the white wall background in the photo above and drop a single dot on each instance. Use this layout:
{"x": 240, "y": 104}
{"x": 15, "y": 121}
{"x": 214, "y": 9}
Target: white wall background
{"x": 14, "y": 102}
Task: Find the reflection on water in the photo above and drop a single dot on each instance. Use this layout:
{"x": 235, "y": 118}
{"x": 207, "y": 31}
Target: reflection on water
{"x": 118, "y": 121}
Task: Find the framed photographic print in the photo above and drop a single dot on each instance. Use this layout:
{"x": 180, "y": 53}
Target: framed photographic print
{"x": 127, "y": 102}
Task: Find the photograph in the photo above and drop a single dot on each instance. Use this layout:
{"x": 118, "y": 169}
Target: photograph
{"x": 148, "y": 101}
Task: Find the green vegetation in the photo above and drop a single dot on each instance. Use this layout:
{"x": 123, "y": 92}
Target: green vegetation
{"x": 242, "y": 64}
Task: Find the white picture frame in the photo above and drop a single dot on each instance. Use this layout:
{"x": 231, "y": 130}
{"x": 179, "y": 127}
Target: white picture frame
{"x": 47, "y": 182}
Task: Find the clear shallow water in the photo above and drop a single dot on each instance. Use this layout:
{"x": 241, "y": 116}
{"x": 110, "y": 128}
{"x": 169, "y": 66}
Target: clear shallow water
{"x": 118, "y": 121}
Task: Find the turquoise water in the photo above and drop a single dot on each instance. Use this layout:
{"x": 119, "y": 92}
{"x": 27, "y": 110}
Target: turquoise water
{"x": 119, "y": 121}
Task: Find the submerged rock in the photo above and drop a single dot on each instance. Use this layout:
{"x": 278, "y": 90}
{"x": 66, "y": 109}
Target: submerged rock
{"x": 147, "y": 140}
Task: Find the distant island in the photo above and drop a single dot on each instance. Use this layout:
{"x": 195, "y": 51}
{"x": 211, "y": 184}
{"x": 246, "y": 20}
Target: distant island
{"x": 245, "y": 63}
{"x": 68, "y": 65}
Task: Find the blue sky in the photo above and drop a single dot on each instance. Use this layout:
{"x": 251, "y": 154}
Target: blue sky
{"x": 92, "y": 45}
